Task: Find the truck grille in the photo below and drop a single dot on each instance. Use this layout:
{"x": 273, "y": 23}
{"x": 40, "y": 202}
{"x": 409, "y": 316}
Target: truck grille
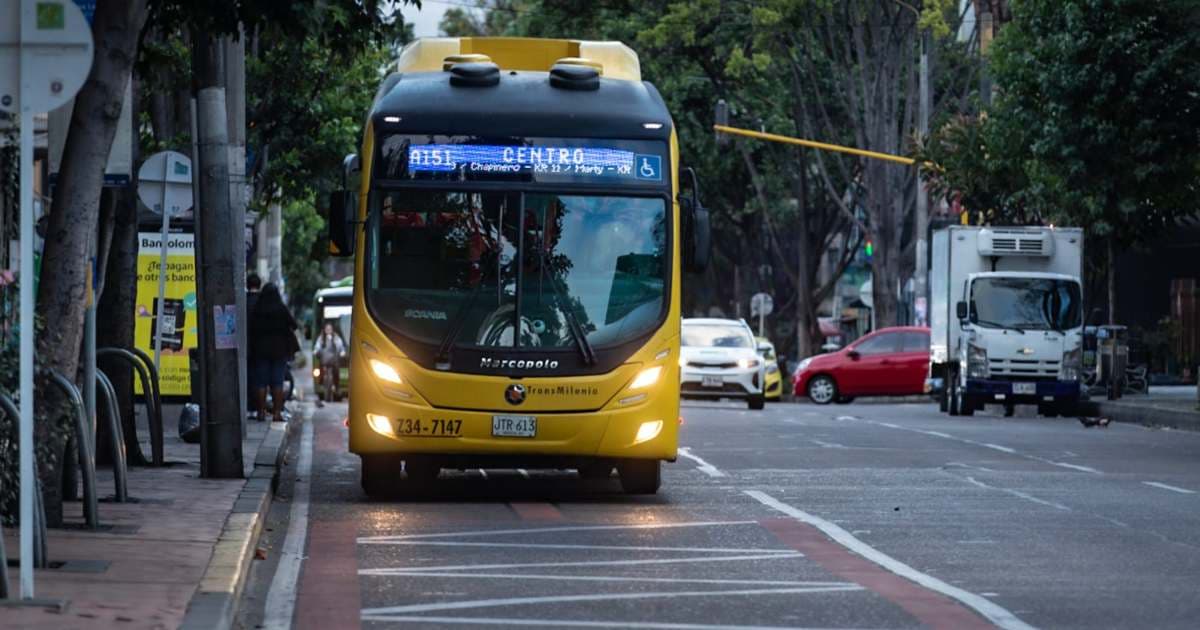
{"x": 1024, "y": 368}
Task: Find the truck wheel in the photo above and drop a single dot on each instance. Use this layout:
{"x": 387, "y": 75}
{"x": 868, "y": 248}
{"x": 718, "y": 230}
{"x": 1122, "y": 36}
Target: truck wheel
{"x": 952, "y": 396}
{"x": 756, "y": 402}
{"x": 379, "y": 475}
{"x": 640, "y": 476}
{"x": 822, "y": 389}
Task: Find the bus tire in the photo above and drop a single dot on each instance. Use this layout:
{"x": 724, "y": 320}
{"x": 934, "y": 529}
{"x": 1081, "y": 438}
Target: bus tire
{"x": 379, "y": 474}
{"x": 640, "y": 476}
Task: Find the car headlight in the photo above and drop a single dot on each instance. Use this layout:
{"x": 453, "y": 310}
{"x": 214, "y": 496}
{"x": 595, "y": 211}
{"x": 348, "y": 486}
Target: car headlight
{"x": 977, "y": 361}
{"x": 385, "y": 372}
{"x": 747, "y": 363}
{"x": 1070, "y": 368}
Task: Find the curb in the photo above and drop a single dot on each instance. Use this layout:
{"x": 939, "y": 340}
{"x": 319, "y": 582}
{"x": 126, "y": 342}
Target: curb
{"x": 215, "y": 603}
{"x": 1151, "y": 416}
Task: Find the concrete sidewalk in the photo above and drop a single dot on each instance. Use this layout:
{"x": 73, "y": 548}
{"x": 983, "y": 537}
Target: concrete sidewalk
{"x": 1175, "y": 407}
{"x": 178, "y": 556}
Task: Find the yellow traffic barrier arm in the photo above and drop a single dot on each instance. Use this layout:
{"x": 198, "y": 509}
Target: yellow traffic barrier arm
{"x": 759, "y": 135}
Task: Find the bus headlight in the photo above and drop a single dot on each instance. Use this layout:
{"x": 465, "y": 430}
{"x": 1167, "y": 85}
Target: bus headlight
{"x": 380, "y": 424}
{"x": 648, "y": 431}
{"x": 646, "y": 377}
{"x": 385, "y": 372}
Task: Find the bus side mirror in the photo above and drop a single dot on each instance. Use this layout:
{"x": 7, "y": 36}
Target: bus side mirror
{"x": 697, "y": 228}
{"x": 960, "y": 309}
{"x": 341, "y": 223}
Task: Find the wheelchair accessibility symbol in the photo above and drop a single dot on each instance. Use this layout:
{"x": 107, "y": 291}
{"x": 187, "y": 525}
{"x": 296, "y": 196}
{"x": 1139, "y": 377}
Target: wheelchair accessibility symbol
{"x": 649, "y": 167}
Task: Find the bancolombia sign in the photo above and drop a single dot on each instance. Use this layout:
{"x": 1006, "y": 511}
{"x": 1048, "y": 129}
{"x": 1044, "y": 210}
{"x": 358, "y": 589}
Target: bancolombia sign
{"x": 518, "y": 364}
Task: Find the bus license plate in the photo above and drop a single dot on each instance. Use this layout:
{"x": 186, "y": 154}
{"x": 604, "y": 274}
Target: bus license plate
{"x": 1024, "y": 388}
{"x": 514, "y": 426}
{"x": 712, "y": 381}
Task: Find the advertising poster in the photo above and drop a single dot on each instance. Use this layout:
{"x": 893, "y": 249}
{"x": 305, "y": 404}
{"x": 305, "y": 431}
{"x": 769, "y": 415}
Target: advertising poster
{"x": 179, "y": 307}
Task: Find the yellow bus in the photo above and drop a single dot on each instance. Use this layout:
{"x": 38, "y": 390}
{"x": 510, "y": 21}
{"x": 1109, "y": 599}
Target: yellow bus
{"x": 519, "y": 230}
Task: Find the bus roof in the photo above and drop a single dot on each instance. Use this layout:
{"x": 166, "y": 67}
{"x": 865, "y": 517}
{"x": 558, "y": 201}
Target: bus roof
{"x": 523, "y": 103}
{"x": 520, "y": 53}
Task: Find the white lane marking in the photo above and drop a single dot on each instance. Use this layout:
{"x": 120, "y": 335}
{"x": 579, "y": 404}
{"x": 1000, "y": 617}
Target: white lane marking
{"x": 992, "y": 612}
{"x": 483, "y": 473}
{"x": 595, "y": 597}
{"x": 539, "y": 530}
{"x": 824, "y": 444}
{"x": 582, "y": 563}
{"x": 1169, "y": 487}
{"x": 610, "y": 578}
{"x": 442, "y": 543}
{"x": 1021, "y": 495}
{"x": 988, "y": 445}
{"x": 524, "y": 473}
{"x": 704, "y": 466}
{"x": 566, "y": 623}
{"x": 281, "y": 597}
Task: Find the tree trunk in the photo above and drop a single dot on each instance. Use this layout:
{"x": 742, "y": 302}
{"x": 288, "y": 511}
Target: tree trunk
{"x": 115, "y": 322}
{"x": 74, "y": 212}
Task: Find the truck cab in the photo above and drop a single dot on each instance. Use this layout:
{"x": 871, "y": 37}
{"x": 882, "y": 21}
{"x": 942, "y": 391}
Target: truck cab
{"x": 1007, "y": 322}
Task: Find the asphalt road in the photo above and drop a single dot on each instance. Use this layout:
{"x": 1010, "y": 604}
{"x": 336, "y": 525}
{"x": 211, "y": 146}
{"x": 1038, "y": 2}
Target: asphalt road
{"x": 847, "y": 516}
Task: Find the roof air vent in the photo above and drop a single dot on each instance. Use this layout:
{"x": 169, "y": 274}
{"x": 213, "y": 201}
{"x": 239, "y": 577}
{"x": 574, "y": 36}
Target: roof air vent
{"x": 485, "y": 74}
{"x": 582, "y": 61}
{"x": 566, "y": 76}
{"x": 449, "y": 62}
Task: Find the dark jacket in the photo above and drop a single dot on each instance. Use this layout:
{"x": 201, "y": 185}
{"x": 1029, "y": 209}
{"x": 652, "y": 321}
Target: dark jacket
{"x": 251, "y": 342}
{"x": 272, "y": 332}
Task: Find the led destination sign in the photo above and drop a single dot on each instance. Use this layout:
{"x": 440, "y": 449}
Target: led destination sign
{"x": 543, "y": 163}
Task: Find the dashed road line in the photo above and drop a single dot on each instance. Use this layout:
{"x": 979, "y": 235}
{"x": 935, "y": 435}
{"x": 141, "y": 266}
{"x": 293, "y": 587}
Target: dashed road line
{"x": 618, "y": 578}
{"x": 1020, "y": 495}
{"x": 703, "y": 466}
{"x": 1164, "y": 486}
{"x": 564, "y": 623}
{"x": 989, "y": 610}
{"x": 773, "y": 555}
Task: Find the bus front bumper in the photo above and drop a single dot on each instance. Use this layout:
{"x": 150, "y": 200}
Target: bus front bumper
{"x": 645, "y": 430}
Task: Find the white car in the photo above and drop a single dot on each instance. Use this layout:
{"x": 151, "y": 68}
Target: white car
{"x": 719, "y": 359}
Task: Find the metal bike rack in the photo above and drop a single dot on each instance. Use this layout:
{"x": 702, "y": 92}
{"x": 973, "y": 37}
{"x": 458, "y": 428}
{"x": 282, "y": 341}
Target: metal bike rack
{"x": 86, "y": 442}
{"x": 150, "y": 389}
{"x": 39, "y": 516}
{"x": 120, "y": 474}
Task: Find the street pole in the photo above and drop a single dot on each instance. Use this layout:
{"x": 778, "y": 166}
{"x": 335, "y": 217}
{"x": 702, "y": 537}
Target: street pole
{"x": 235, "y": 86}
{"x": 25, "y": 382}
{"x": 921, "y": 225}
{"x": 160, "y": 307}
{"x": 218, "y": 238}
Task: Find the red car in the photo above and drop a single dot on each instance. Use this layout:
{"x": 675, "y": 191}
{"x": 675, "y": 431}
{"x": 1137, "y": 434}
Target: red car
{"x": 887, "y": 362}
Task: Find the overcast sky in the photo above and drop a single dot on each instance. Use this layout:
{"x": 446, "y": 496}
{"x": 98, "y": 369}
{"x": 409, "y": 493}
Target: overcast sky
{"x": 425, "y": 21}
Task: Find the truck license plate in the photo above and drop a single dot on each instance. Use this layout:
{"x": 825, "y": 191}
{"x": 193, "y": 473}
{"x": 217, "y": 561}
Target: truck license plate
{"x": 1024, "y": 388}
{"x": 514, "y": 426}
{"x": 712, "y": 381}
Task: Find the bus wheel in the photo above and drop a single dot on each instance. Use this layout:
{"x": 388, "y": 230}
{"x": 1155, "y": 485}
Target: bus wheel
{"x": 379, "y": 473}
{"x": 640, "y": 476}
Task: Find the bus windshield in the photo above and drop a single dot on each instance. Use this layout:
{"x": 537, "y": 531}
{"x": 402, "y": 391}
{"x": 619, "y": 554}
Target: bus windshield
{"x": 1025, "y": 303}
{"x": 510, "y": 269}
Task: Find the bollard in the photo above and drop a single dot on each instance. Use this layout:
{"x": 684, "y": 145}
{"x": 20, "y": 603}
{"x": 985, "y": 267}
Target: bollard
{"x": 153, "y": 404}
{"x": 120, "y": 475}
{"x": 87, "y": 460}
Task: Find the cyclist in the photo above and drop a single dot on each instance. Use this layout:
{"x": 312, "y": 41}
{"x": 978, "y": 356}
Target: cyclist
{"x": 329, "y": 350}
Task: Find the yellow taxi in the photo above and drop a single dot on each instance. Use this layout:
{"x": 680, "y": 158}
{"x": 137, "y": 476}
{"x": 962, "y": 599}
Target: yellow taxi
{"x": 773, "y": 381}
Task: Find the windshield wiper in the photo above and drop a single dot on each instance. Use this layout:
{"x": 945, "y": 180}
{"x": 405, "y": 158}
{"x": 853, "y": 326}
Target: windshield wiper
{"x": 460, "y": 318}
{"x": 573, "y": 325}
{"x": 983, "y": 322}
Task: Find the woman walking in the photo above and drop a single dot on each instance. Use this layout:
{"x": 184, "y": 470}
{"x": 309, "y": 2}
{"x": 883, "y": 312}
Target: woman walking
{"x": 274, "y": 330}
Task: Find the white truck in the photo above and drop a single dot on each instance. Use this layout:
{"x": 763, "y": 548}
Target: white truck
{"x": 1006, "y": 318}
